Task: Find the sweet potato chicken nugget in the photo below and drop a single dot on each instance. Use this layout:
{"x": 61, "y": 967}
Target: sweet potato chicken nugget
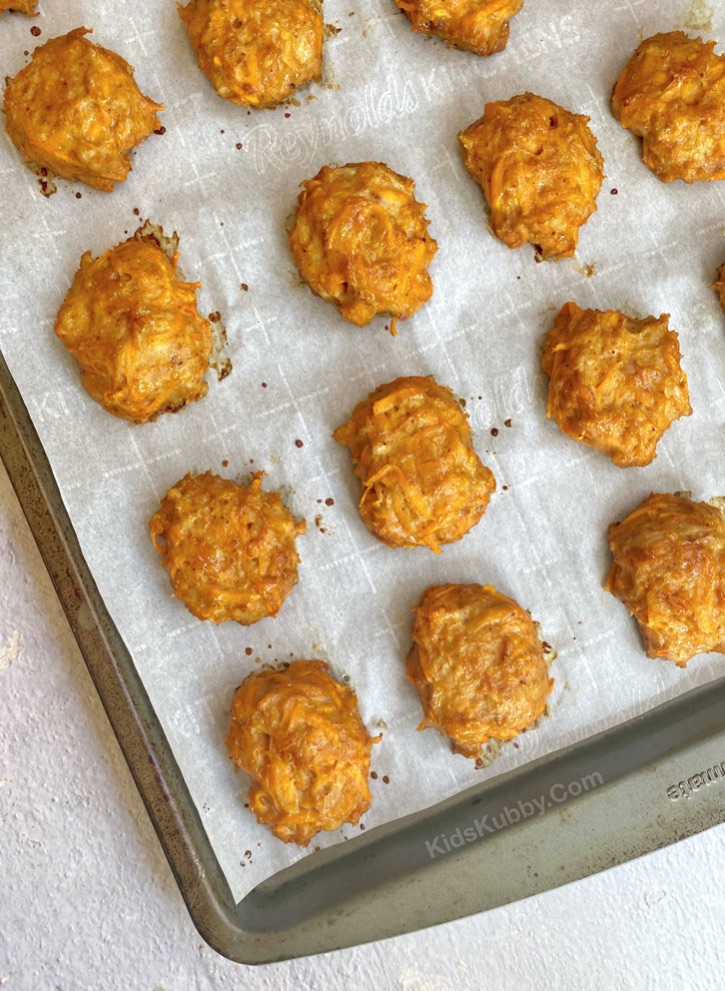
{"x": 615, "y": 383}
{"x": 360, "y": 240}
{"x": 298, "y": 733}
{"x": 479, "y": 26}
{"x": 669, "y": 571}
{"x": 229, "y": 549}
{"x": 540, "y": 171}
{"x": 477, "y": 663}
{"x": 76, "y": 110}
{"x": 672, "y": 95}
{"x": 719, "y": 285}
{"x": 256, "y": 52}
{"x": 22, "y": 6}
{"x": 140, "y": 344}
{"x": 423, "y": 484}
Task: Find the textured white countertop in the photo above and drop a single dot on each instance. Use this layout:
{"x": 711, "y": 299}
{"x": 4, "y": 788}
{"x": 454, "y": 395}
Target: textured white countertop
{"x": 87, "y": 900}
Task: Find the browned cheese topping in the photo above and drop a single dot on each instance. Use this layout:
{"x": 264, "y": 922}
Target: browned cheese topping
{"x": 669, "y": 571}
{"x": 479, "y": 26}
{"x": 360, "y": 240}
{"x": 22, "y": 6}
{"x": 256, "y": 52}
{"x": 540, "y": 171}
{"x": 477, "y": 663}
{"x": 140, "y": 344}
{"x": 422, "y": 482}
{"x": 615, "y": 383}
{"x": 229, "y": 549}
{"x": 76, "y": 110}
{"x": 719, "y": 285}
{"x": 298, "y": 733}
{"x": 672, "y": 95}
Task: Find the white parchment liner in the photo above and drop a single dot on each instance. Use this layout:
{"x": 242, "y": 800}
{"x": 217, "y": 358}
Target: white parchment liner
{"x": 299, "y": 369}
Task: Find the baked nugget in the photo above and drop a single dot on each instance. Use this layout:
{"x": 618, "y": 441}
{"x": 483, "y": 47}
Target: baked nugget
{"x": 719, "y": 285}
{"x": 298, "y": 734}
{"x": 540, "y": 171}
{"x": 669, "y": 571}
{"x": 360, "y": 240}
{"x": 477, "y": 663}
{"x": 134, "y": 330}
{"x": 615, "y": 383}
{"x": 76, "y": 110}
{"x": 479, "y": 26}
{"x": 423, "y": 484}
{"x": 256, "y": 52}
{"x": 229, "y": 549}
{"x": 672, "y": 95}
{"x": 22, "y": 6}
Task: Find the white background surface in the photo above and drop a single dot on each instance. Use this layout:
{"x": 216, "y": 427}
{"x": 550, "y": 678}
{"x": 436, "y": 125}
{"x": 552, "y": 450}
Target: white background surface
{"x": 88, "y": 903}
{"x": 89, "y": 900}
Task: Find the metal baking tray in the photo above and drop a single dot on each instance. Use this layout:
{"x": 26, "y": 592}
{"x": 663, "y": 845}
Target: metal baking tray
{"x": 616, "y": 796}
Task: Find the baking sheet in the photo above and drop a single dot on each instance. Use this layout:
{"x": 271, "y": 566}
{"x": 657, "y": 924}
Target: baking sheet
{"x": 226, "y": 180}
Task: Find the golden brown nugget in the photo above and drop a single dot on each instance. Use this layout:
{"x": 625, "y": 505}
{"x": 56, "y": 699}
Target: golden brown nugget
{"x": 298, "y": 734}
{"x": 423, "y": 484}
{"x": 133, "y": 328}
{"x": 21, "y": 6}
{"x": 229, "y": 549}
{"x": 76, "y": 110}
{"x": 477, "y": 663}
{"x": 540, "y": 171}
{"x": 672, "y": 95}
{"x": 615, "y": 383}
{"x": 479, "y": 26}
{"x": 256, "y": 52}
{"x": 669, "y": 571}
{"x": 719, "y": 285}
{"x": 360, "y": 240}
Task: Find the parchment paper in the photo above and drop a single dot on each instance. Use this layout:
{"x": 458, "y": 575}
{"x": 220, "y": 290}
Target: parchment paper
{"x": 226, "y": 180}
